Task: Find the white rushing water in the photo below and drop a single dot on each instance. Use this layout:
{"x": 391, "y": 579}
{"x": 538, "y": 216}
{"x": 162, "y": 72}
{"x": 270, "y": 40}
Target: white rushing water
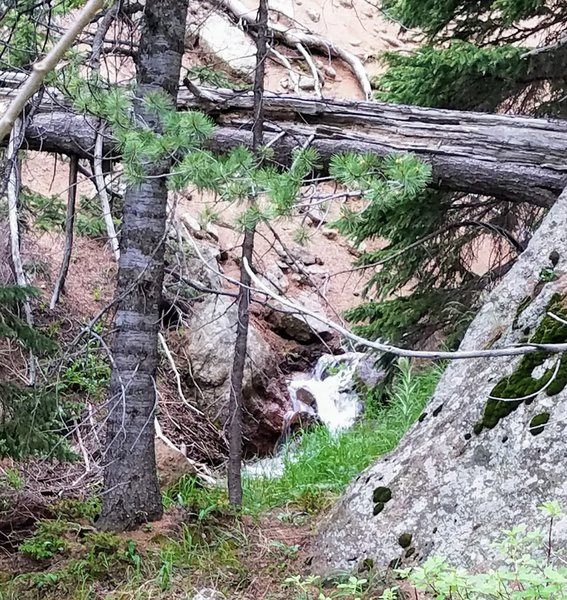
{"x": 326, "y": 394}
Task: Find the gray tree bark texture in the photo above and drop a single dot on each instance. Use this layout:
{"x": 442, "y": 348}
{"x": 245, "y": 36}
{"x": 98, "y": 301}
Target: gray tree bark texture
{"x": 131, "y": 490}
{"x": 517, "y": 159}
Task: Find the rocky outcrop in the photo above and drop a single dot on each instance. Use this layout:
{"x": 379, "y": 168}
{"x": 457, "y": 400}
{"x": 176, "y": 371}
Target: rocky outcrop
{"x": 473, "y": 466}
{"x": 224, "y": 42}
{"x": 209, "y": 351}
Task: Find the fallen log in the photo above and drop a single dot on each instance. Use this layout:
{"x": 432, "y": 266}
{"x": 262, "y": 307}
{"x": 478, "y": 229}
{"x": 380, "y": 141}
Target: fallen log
{"x": 518, "y": 159}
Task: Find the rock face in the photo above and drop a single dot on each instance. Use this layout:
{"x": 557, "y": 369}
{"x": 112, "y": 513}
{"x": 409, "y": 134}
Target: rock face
{"x": 471, "y": 466}
{"x": 209, "y": 352}
{"x": 226, "y": 43}
{"x": 302, "y": 328}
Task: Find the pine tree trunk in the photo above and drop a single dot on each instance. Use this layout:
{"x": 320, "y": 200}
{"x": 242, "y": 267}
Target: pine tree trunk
{"x": 241, "y": 343}
{"x": 131, "y": 490}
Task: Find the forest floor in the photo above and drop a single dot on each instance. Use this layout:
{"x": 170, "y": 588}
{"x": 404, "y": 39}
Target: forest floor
{"x": 51, "y": 549}
{"x": 201, "y": 548}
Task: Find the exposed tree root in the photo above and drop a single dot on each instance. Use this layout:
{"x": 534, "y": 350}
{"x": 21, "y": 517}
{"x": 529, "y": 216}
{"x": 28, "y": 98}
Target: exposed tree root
{"x": 297, "y": 39}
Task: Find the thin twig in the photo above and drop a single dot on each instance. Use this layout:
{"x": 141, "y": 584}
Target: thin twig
{"x": 69, "y": 222}
{"x": 517, "y": 350}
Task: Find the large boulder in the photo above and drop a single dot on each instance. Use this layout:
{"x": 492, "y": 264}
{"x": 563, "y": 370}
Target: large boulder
{"x": 473, "y": 466}
{"x": 223, "y": 41}
{"x": 295, "y": 326}
{"x": 209, "y": 352}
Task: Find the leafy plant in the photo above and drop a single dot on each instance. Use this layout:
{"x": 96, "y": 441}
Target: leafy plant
{"x": 312, "y": 587}
{"x": 89, "y": 373}
{"x": 528, "y": 572}
{"x": 47, "y": 540}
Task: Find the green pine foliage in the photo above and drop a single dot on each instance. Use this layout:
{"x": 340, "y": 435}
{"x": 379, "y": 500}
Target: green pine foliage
{"x": 407, "y": 296}
{"x": 460, "y": 75}
{"x": 31, "y": 417}
{"x": 473, "y": 56}
{"x": 462, "y": 19}
{"x": 14, "y": 327}
{"x": 27, "y": 29}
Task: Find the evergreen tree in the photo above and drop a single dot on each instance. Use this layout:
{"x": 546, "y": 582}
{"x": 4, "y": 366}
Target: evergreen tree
{"x": 474, "y": 56}
{"x": 31, "y": 417}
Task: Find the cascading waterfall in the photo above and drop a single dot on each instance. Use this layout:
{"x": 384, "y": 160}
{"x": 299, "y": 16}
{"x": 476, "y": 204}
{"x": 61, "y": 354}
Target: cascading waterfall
{"x": 326, "y": 395}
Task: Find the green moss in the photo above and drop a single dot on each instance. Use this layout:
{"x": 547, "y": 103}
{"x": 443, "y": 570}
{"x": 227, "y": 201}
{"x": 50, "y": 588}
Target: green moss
{"x": 378, "y": 508}
{"x": 560, "y": 381}
{"x": 382, "y": 494}
{"x": 521, "y": 383}
{"x": 538, "y": 422}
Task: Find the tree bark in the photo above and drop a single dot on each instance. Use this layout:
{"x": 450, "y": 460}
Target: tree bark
{"x": 517, "y": 159}
{"x": 131, "y": 490}
{"x": 241, "y": 342}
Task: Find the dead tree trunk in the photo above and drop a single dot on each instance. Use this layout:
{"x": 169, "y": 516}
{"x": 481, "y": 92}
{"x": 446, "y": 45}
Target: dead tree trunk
{"x": 517, "y": 159}
{"x": 131, "y": 490}
{"x": 241, "y": 343}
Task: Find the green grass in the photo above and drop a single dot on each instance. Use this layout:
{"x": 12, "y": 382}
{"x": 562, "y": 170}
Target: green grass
{"x": 214, "y": 545}
{"x": 324, "y": 463}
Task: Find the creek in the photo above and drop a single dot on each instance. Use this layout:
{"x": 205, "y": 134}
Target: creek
{"x": 327, "y": 395}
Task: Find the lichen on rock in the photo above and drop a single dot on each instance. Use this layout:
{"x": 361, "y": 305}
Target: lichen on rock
{"x": 455, "y": 491}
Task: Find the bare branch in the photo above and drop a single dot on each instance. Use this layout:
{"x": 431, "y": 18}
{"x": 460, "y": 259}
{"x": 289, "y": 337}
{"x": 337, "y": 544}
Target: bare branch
{"x": 69, "y": 222}
{"x": 42, "y": 67}
{"x": 518, "y": 350}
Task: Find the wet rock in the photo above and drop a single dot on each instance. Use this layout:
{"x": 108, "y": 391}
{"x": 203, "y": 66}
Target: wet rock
{"x": 470, "y": 467}
{"x": 307, "y": 397}
{"x": 301, "y": 421}
{"x": 368, "y": 372}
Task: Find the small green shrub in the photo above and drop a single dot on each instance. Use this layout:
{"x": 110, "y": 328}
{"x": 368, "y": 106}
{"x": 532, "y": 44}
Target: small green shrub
{"x": 89, "y": 373}
{"x": 74, "y": 509}
{"x": 47, "y": 212}
{"x": 528, "y": 573}
{"x": 314, "y": 587}
{"x": 47, "y": 540}
{"x": 89, "y": 220}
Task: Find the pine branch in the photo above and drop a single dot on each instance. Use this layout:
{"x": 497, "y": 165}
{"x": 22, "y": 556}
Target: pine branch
{"x": 42, "y": 67}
